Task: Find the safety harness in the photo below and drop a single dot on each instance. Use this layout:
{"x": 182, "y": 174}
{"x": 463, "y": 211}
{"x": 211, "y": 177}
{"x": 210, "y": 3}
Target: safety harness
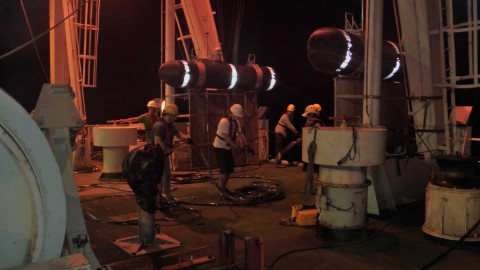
{"x": 232, "y": 132}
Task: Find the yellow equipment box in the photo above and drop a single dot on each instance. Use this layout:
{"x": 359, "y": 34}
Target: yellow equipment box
{"x": 304, "y": 217}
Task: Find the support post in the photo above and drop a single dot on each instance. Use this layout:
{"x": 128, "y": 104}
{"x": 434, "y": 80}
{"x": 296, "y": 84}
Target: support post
{"x": 254, "y": 257}
{"x": 226, "y": 248}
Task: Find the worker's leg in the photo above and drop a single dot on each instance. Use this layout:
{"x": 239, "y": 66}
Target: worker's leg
{"x": 279, "y": 141}
{"x": 166, "y": 180}
{"x": 164, "y": 184}
{"x": 223, "y": 182}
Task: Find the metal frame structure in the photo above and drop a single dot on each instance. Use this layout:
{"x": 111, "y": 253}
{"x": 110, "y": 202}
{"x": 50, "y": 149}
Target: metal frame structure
{"x": 203, "y": 117}
{"x": 450, "y": 32}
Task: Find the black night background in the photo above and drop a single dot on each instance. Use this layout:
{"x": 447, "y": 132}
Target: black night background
{"x": 275, "y": 31}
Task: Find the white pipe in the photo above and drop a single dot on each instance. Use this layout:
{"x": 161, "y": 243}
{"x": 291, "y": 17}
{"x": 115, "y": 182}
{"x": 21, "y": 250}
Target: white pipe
{"x": 373, "y": 63}
{"x": 169, "y": 44}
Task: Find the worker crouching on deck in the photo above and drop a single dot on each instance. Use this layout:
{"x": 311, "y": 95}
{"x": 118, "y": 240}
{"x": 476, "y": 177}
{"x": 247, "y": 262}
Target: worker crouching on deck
{"x": 229, "y": 135}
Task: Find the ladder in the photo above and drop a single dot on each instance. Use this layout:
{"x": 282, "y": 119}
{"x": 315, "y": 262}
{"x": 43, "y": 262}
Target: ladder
{"x": 450, "y": 30}
{"x": 87, "y": 28}
{"x": 78, "y": 46}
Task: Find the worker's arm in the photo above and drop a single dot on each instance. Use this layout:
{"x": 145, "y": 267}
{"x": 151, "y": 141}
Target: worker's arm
{"x": 229, "y": 140}
{"x": 131, "y": 119}
{"x": 241, "y": 139}
{"x": 286, "y": 122}
{"x": 181, "y": 136}
{"x": 165, "y": 148}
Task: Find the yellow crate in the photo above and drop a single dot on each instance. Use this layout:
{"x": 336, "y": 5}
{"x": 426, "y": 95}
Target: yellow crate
{"x": 304, "y": 217}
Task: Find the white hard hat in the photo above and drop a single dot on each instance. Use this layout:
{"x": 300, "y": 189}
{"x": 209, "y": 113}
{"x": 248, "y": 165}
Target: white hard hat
{"x": 152, "y": 104}
{"x": 237, "y": 110}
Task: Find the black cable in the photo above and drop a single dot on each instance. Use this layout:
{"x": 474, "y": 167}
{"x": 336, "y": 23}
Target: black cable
{"x": 34, "y": 43}
{"x": 134, "y": 222}
{"x": 353, "y": 148}
{"x": 107, "y": 197}
{"x": 220, "y": 25}
{"x": 457, "y": 244}
{"x": 256, "y": 193}
{"x": 375, "y": 234}
{"x": 341, "y": 209}
{"x": 312, "y": 148}
{"x": 42, "y": 34}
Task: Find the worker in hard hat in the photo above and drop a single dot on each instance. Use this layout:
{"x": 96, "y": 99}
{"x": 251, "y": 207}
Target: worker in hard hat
{"x": 283, "y": 135}
{"x": 147, "y": 119}
{"x": 312, "y": 113}
{"x": 163, "y": 134}
{"x": 229, "y": 136}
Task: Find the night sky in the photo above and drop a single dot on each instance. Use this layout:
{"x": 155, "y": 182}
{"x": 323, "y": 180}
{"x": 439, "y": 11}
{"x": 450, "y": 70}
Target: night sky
{"x": 276, "y": 31}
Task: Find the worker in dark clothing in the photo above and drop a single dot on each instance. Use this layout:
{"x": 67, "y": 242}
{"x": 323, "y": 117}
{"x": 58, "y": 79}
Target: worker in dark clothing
{"x": 163, "y": 133}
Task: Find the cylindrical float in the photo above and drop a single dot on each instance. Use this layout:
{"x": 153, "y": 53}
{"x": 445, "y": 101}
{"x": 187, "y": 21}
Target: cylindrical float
{"x": 335, "y": 51}
{"x": 207, "y": 74}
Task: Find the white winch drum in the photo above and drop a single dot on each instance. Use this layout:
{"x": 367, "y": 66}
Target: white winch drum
{"x": 32, "y": 198}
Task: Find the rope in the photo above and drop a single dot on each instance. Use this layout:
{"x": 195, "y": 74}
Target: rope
{"x": 352, "y": 152}
{"x": 41, "y": 34}
{"x": 312, "y": 148}
{"x": 34, "y": 43}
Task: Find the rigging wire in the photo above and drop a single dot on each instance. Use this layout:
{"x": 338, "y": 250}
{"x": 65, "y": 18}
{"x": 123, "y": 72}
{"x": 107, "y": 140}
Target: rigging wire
{"x": 352, "y": 151}
{"x": 34, "y": 43}
{"x": 312, "y": 148}
{"x": 238, "y": 25}
{"x": 220, "y": 24}
{"x": 41, "y": 34}
{"x": 405, "y": 80}
{"x": 456, "y": 245}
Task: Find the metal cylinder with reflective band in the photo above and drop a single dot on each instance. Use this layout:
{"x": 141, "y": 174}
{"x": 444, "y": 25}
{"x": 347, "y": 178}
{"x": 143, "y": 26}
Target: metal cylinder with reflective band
{"x": 335, "y": 51}
{"x": 206, "y": 74}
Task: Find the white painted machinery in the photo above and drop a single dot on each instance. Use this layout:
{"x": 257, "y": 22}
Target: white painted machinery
{"x": 31, "y": 181}
{"x": 115, "y": 141}
{"x": 41, "y": 214}
{"x": 343, "y": 155}
{"x": 453, "y": 199}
